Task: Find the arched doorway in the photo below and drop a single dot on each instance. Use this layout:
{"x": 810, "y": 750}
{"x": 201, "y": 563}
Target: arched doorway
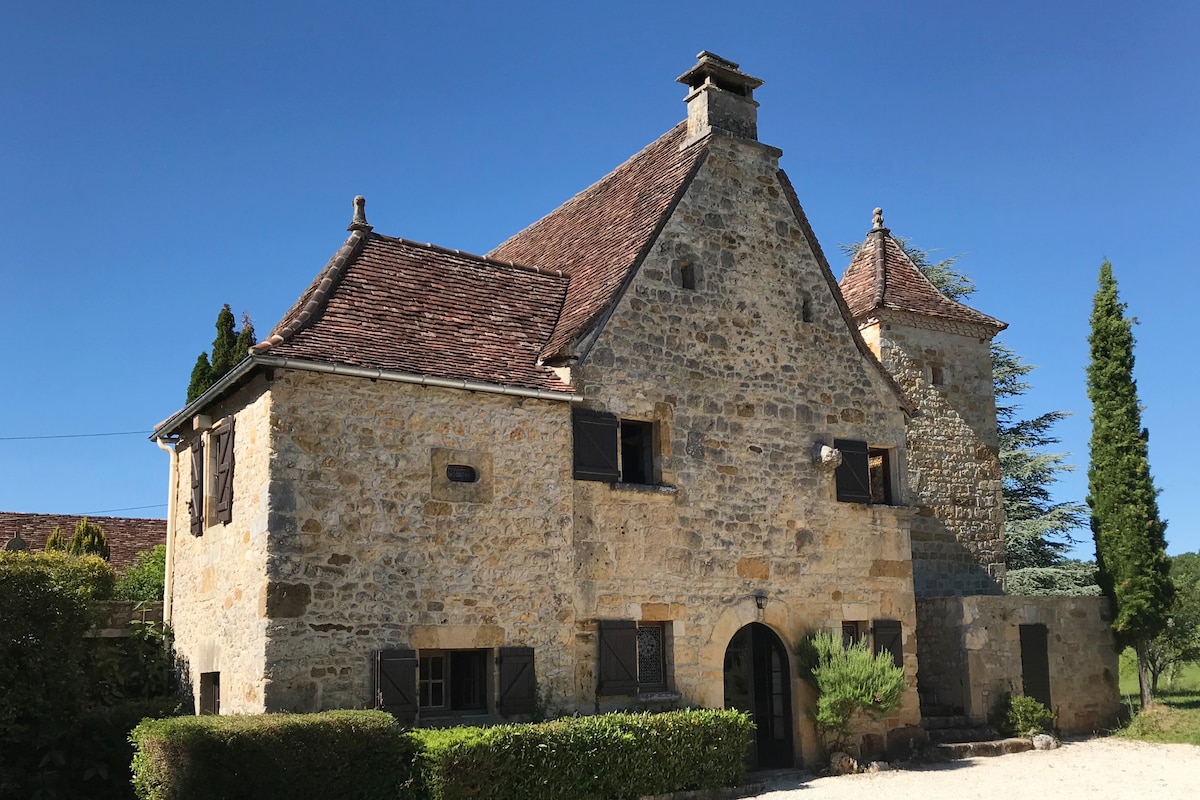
{"x": 758, "y": 681}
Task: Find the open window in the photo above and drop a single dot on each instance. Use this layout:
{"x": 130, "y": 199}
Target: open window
{"x": 442, "y": 683}
{"x": 633, "y": 657}
{"x": 614, "y": 450}
{"x": 866, "y": 474}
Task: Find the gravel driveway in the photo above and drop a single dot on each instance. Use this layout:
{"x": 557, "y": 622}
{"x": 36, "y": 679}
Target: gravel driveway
{"x": 1104, "y": 768}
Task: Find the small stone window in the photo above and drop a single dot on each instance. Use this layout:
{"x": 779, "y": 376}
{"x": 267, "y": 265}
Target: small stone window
{"x": 452, "y": 680}
{"x": 937, "y": 375}
{"x": 461, "y": 473}
{"x": 210, "y": 693}
{"x": 686, "y": 275}
{"x": 616, "y": 450}
{"x": 879, "y": 463}
{"x": 460, "y": 476}
{"x": 806, "y": 312}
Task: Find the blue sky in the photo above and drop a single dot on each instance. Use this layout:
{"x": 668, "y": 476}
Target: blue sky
{"x": 158, "y": 160}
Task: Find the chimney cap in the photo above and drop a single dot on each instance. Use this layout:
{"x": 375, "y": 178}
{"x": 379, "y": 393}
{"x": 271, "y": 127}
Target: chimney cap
{"x": 711, "y": 69}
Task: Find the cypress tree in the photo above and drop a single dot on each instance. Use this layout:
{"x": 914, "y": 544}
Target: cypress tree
{"x": 1131, "y": 556}
{"x": 56, "y": 542}
{"x": 228, "y": 349}
{"x": 224, "y": 349}
{"x": 89, "y": 540}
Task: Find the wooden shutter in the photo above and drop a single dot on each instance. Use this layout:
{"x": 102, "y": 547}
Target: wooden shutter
{"x": 618, "y": 657}
{"x": 196, "y": 506}
{"x": 889, "y": 638}
{"x": 224, "y": 476}
{"x": 854, "y": 475}
{"x": 518, "y": 686}
{"x": 396, "y": 683}
{"x": 595, "y": 446}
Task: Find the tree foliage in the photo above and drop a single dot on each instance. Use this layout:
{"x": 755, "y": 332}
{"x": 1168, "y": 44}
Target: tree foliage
{"x": 1131, "y": 558}
{"x": 847, "y": 680}
{"x": 88, "y": 540}
{"x": 143, "y": 580}
{"x": 228, "y": 349}
{"x": 57, "y": 541}
{"x": 1179, "y": 641}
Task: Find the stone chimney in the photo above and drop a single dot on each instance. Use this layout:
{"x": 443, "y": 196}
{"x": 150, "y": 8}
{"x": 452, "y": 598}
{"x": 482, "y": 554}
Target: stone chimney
{"x": 721, "y": 98}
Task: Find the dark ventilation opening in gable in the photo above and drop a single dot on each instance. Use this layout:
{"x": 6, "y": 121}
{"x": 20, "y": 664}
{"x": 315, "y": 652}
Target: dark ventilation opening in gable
{"x": 461, "y": 473}
{"x": 687, "y": 276}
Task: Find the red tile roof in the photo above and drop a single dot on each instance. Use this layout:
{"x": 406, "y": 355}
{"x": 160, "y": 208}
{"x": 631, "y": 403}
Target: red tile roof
{"x": 600, "y": 236}
{"x": 395, "y": 305}
{"x": 882, "y": 275}
{"x": 127, "y": 536}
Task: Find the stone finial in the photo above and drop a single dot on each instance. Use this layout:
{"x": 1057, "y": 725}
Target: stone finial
{"x": 359, "y": 223}
{"x": 16, "y": 545}
{"x": 721, "y": 98}
{"x": 878, "y": 221}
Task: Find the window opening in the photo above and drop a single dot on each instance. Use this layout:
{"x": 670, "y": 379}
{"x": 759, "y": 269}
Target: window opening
{"x": 806, "y": 309}
{"x": 852, "y": 633}
{"x": 210, "y": 693}
{"x": 637, "y": 451}
{"x": 461, "y": 473}
{"x": 879, "y": 465}
{"x": 652, "y": 668}
{"x": 687, "y": 276}
{"x": 454, "y": 680}
{"x": 937, "y": 375}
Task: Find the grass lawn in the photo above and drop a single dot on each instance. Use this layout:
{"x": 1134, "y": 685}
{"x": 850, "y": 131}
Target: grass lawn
{"x": 1175, "y": 718}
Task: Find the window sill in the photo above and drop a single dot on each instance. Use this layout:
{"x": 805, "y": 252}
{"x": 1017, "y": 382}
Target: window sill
{"x": 663, "y": 489}
{"x": 658, "y": 698}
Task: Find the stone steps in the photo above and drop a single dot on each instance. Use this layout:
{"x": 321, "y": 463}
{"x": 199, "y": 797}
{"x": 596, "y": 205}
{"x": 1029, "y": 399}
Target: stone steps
{"x": 995, "y": 747}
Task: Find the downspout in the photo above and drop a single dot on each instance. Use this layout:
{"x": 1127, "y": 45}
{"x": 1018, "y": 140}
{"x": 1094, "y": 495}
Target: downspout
{"x": 168, "y": 578}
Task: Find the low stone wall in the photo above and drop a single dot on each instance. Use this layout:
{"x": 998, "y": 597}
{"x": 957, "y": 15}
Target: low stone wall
{"x": 969, "y": 648}
{"x": 115, "y": 617}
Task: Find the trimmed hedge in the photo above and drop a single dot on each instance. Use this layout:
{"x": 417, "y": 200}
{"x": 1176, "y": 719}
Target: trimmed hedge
{"x": 611, "y": 756}
{"x": 365, "y": 754}
{"x": 349, "y": 755}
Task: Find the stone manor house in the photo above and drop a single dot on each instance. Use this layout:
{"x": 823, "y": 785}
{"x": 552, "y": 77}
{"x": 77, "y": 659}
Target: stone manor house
{"x": 627, "y": 459}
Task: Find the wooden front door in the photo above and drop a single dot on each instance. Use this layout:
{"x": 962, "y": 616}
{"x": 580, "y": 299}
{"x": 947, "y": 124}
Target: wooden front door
{"x": 758, "y": 681}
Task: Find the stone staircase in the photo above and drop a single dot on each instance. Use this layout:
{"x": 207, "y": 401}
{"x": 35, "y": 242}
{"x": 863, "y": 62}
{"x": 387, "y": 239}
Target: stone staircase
{"x": 953, "y": 736}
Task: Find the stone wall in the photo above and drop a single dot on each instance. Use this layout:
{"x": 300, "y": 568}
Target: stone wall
{"x": 978, "y": 660}
{"x": 953, "y": 451}
{"x": 217, "y": 577}
{"x": 743, "y": 375}
{"x": 372, "y": 548}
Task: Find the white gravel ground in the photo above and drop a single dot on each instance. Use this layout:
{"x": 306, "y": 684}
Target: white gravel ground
{"x": 1102, "y": 768}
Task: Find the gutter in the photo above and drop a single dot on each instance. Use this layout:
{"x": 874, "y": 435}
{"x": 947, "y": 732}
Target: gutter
{"x": 168, "y": 426}
{"x": 172, "y": 500}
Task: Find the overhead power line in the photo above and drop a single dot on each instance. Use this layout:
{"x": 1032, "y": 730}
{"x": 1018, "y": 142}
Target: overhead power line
{"x": 115, "y": 510}
{"x": 73, "y": 436}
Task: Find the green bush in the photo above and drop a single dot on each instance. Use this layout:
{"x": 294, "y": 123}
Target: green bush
{"x": 847, "y": 680}
{"x": 1018, "y": 715}
{"x": 58, "y": 738}
{"x": 89, "y": 540}
{"x": 577, "y": 758}
{"x": 349, "y": 755}
{"x": 143, "y": 580}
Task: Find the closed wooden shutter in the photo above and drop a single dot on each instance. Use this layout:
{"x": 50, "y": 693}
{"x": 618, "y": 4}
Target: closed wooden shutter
{"x": 196, "y": 506}
{"x": 518, "y": 685}
{"x": 396, "y": 683}
{"x": 618, "y": 657}
{"x": 853, "y": 476}
{"x": 224, "y": 476}
{"x": 889, "y": 638}
{"x": 595, "y": 436}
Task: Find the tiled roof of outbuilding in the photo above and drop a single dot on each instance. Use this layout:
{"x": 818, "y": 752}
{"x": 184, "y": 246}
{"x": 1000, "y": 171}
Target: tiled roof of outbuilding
{"x": 396, "y": 305}
{"x": 600, "y": 236}
{"x": 127, "y": 536}
{"x": 882, "y": 275}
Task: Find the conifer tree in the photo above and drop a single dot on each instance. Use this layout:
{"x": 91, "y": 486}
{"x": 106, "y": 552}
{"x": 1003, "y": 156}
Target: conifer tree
{"x": 89, "y": 540}
{"x": 56, "y": 541}
{"x": 228, "y": 349}
{"x": 1130, "y": 545}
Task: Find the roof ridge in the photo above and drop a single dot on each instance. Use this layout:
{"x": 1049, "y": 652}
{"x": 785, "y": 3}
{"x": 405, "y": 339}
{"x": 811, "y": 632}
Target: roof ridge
{"x": 310, "y": 303}
{"x": 594, "y": 187}
{"x": 474, "y": 256}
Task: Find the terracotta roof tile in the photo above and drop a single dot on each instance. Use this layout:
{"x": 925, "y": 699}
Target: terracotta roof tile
{"x": 601, "y": 235}
{"x": 882, "y": 275}
{"x": 395, "y": 305}
{"x": 127, "y": 536}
